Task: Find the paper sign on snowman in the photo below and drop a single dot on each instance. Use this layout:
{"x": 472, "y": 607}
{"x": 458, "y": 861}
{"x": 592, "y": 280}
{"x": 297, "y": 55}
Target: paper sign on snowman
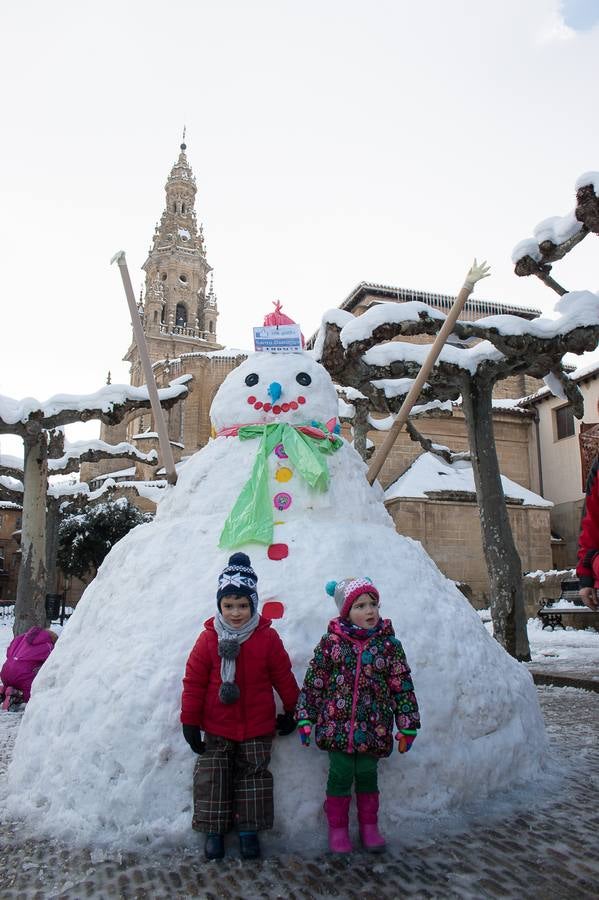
{"x": 100, "y": 757}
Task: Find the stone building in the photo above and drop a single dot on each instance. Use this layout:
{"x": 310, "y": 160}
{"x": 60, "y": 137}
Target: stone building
{"x": 566, "y": 448}
{"x": 10, "y": 552}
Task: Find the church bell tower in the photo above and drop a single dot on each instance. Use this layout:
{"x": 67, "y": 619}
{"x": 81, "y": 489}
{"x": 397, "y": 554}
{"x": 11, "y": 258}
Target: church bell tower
{"x": 178, "y": 306}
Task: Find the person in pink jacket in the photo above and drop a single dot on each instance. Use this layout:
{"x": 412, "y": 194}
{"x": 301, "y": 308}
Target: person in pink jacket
{"x": 24, "y": 658}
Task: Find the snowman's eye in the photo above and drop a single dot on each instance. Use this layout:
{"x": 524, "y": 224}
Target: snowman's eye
{"x": 303, "y": 378}
{"x": 252, "y": 379}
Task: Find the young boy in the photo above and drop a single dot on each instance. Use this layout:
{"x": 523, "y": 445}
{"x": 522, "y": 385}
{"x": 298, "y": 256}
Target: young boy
{"x": 228, "y": 693}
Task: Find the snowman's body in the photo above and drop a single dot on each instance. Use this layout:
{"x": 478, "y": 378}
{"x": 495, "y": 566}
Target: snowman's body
{"x": 100, "y": 756}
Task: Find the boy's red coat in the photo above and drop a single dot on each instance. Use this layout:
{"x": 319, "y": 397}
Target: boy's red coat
{"x": 262, "y": 664}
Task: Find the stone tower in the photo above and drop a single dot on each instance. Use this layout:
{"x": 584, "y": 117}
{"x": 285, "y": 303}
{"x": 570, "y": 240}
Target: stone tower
{"x": 178, "y": 309}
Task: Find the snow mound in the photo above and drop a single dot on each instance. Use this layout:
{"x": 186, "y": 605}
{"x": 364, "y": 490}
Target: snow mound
{"x": 100, "y": 758}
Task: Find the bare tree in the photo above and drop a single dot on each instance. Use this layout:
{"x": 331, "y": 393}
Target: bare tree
{"x": 35, "y": 423}
{"x": 367, "y": 353}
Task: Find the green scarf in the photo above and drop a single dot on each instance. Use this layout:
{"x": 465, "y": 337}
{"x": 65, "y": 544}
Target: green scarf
{"x": 251, "y": 518}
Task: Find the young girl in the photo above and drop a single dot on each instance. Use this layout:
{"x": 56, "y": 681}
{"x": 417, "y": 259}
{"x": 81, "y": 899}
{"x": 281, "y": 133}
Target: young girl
{"x": 357, "y": 683}
{"x": 228, "y": 693}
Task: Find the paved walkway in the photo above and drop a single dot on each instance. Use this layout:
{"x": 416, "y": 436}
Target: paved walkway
{"x": 538, "y": 842}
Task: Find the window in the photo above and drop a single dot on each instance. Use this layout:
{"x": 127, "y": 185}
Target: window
{"x": 211, "y": 327}
{"x": 564, "y": 422}
{"x": 181, "y": 315}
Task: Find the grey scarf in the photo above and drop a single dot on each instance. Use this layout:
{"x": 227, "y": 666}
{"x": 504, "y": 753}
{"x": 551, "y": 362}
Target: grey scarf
{"x": 229, "y": 642}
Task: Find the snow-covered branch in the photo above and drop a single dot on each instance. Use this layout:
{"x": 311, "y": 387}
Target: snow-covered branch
{"x": 110, "y": 405}
{"x": 507, "y": 344}
{"x": 556, "y": 236}
{"x": 93, "y": 451}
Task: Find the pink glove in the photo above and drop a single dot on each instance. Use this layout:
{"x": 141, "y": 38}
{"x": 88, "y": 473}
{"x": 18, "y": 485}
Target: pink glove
{"x": 405, "y": 739}
{"x": 305, "y": 730}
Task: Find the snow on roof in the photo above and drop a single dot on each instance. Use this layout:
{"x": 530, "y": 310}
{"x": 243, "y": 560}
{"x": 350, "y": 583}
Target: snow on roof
{"x": 111, "y": 395}
{"x": 154, "y": 436}
{"x": 431, "y": 474}
{"x": 122, "y": 473}
{"x": 8, "y": 504}
{"x": 224, "y": 353}
{"x": 583, "y": 373}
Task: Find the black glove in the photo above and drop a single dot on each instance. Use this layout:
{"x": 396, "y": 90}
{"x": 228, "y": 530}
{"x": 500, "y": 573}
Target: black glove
{"x": 193, "y": 736}
{"x": 286, "y": 723}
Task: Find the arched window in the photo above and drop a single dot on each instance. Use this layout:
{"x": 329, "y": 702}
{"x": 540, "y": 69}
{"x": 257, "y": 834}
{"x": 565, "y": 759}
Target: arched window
{"x": 181, "y": 315}
{"x": 162, "y": 315}
{"x": 182, "y": 207}
{"x": 211, "y": 327}
{"x": 155, "y": 315}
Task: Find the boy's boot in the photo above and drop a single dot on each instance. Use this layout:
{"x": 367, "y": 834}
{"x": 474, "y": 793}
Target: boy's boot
{"x": 337, "y": 813}
{"x": 214, "y": 848}
{"x": 368, "y": 809}
{"x": 249, "y": 845}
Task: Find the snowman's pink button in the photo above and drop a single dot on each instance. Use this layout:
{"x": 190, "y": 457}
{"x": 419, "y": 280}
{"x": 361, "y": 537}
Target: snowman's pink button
{"x": 280, "y": 451}
{"x": 282, "y": 500}
{"x": 278, "y": 551}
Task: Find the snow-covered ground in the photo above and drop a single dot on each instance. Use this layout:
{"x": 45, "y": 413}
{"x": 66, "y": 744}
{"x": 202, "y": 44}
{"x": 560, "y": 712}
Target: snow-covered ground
{"x": 563, "y": 651}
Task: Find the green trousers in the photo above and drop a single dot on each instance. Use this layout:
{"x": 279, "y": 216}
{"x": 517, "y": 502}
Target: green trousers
{"x": 345, "y": 768}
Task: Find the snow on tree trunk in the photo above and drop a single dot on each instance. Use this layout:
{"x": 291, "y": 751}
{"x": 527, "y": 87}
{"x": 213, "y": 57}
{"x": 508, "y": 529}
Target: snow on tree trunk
{"x": 30, "y": 604}
{"x": 503, "y": 562}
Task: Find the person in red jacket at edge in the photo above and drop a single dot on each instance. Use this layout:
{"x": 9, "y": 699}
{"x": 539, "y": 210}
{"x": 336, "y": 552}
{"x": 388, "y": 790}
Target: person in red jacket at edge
{"x": 228, "y": 694}
{"x": 588, "y": 542}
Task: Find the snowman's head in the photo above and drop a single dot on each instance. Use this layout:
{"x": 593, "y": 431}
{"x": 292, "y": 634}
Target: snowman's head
{"x": 275, "y": 387}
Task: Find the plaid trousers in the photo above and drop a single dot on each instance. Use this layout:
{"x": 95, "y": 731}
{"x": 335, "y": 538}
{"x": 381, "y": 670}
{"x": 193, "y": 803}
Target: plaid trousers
{"x": 232, "y": 786}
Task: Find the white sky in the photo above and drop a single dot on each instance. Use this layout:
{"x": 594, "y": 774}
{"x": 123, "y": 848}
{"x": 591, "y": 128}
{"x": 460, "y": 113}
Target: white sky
{"x": 332, "y": 143}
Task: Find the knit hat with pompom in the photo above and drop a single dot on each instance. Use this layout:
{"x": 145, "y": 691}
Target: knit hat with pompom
{"x": 238, "y": 578}
{"x": 345, "y": 592}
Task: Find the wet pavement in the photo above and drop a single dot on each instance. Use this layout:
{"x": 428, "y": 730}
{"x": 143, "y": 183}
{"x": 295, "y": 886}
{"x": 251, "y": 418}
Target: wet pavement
{"x": 536, "y": 842}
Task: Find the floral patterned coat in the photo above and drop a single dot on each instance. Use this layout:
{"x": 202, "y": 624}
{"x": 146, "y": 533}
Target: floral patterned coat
{"x": 354, "y": 689}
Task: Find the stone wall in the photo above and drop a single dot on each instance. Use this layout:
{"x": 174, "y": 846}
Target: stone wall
{"x": 450, "y": 533}
{"x": 517, "y": 460}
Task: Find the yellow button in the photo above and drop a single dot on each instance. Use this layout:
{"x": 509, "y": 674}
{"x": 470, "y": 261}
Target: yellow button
{"x": 283, "y": 473}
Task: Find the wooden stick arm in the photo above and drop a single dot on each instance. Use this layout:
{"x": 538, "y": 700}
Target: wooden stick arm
{"x": 475, "y": 274}
{"x": 140, "y": 340}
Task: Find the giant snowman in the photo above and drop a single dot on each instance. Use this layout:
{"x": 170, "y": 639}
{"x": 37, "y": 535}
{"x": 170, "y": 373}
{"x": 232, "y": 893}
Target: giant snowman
{"x": 100, "y": 757}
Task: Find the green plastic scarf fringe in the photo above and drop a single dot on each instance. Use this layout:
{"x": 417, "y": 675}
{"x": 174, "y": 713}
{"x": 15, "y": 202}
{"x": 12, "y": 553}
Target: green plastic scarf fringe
{"x": 251, "y": 518}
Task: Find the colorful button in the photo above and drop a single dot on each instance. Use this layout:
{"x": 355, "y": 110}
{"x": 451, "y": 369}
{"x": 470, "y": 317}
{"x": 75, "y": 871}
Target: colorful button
{"x": 283, "y": 473}
{"x": 278, "y": 551}
{"x": 282, "y": 500}
{"x": 279, "y": 449}
{"x": 273, "y": 609}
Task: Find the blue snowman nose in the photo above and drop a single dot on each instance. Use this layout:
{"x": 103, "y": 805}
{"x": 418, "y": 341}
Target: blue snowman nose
{"x": 274, "y": 391}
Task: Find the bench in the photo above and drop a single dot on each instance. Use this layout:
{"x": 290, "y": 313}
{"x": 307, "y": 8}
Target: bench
{"x": 568, "y": 604}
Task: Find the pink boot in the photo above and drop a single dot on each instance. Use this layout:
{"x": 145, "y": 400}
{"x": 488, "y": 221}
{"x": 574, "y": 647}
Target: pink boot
{"x": 368, "y": 808}
{"x": 337, "y": 813}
